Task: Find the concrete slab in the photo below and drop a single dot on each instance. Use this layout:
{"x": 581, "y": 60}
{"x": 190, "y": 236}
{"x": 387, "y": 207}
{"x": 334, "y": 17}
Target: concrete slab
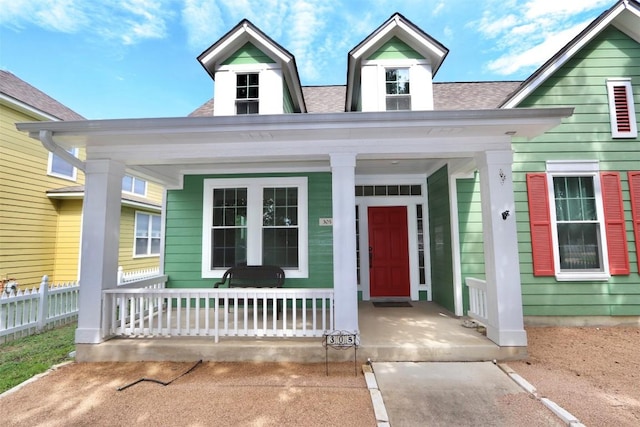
{"x": 448, "y": 394}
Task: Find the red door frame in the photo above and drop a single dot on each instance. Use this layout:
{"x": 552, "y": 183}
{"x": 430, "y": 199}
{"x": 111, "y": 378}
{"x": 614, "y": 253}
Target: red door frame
{"x": 388, "y": 252}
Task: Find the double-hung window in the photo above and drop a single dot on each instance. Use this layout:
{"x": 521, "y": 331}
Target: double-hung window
{"x": 147, "y": 238}
{"x": 577, "y": 222}
{"x": 247, "y": 93}
{"x": 398, "y": 95}
{"x": 255, "y": 221}
{"x": 61, "y": 168}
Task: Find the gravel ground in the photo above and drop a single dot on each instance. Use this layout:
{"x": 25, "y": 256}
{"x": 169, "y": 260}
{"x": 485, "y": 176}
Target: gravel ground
{"x": 591, "y": 372}
{"x": 594, "y": 373}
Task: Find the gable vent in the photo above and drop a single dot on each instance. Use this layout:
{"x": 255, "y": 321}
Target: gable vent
{"x": 622, "y": 108}
{"x": 623, "y": 119}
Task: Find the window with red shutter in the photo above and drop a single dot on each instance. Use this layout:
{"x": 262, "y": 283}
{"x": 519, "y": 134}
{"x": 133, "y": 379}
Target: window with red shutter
{"x": 614, "y": 223}
{"x": 540, "y": 223}
{"x": 622, "y": 108}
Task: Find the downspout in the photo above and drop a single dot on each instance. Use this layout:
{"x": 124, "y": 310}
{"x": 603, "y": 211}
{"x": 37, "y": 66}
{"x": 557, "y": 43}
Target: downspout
{"x": 46, "y": 138}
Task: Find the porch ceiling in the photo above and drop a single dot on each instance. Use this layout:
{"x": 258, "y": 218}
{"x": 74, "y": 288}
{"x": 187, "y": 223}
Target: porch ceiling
{"x": 164, "y": 149}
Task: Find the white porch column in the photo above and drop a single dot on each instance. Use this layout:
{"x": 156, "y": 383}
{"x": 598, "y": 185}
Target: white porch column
{"x": 345, "y": 284}
{"x": 100, "y": 241}
{"x": 502, "y": 264}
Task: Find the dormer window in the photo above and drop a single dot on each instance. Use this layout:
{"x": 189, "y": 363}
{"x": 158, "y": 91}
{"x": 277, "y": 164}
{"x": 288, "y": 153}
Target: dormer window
{"x": 247, "y": 93}
{"x": 398, "y": 96}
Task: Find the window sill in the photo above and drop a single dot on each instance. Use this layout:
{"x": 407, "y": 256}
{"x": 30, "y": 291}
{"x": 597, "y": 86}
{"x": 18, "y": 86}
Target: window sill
{"x": 585, "y": 277}
{"x": 146, "y": 256}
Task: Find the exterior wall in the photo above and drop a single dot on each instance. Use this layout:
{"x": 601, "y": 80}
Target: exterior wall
{"x": 440, "y": 239}
{"x": 470, "y": 233}
{"x": 183, "y": 235}
{"x": 67, "y": 253}
{"x": 29, "y": 218}
{"x": 126, "y": 258}
{"x": 584, "y": 136}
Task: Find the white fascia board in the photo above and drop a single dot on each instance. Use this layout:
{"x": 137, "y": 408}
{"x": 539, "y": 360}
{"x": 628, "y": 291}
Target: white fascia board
{"x": 79, "y": 195}
{"x": 424, "y": 42}
{"x": 567, "y": 53}
{"x": 25, "y": 108}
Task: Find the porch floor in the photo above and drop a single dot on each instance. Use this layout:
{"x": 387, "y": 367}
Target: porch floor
{"x": 420, "y": 333}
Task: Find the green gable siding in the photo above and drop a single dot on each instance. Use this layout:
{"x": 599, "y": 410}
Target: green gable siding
{"x": 248, "y": 54}
{"x": 470, "y": 233}
{"x": 287, "y": 101}
{"x": 440, "y": 239}
{"x": 395, "y": 49}
{"x": 183, "y": 235}
{"x": 586, "y": 135}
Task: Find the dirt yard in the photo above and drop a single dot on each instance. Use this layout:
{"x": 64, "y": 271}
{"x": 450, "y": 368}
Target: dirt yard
{"x": 594, "y": 373}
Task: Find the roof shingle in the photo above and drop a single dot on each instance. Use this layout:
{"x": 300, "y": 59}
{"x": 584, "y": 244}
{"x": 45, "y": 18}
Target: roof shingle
{"x": 23, "y": 92}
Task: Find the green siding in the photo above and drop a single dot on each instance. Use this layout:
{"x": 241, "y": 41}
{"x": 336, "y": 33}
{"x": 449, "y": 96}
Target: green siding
{"x": 586, "y": 135}
{"x": 440, "y": 239}
{"x": 395, "y": 49}
{"x": 470, "y": 233}
{"x": 248, "y": 54}
{"x": 183, "y": 234}
{"x": 287, "y": 100}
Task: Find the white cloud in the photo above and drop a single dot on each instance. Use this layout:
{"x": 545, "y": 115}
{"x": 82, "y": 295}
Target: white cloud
{"x": 527, "y": 33}
{"x": 130, "y": 21}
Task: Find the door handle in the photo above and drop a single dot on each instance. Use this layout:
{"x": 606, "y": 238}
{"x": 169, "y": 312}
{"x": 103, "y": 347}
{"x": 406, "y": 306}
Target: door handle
{"x": 370, "y": 256}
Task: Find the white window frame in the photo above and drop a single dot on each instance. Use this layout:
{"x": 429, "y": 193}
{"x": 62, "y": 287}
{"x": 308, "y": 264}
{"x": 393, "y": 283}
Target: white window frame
{"x": 387, "y": 96}
{"x": 587, "y": 168}
{"x": 611, "y": 84}
{"x": 133, "y": 186}
{"x": 247, "y": 100}
{"x": 148, "y": 253}
{"x": 254, "y": 188}
{"x": 74, "y": 171}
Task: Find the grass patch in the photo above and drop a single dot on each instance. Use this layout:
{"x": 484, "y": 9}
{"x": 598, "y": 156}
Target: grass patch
{"x": 25, "y": 357}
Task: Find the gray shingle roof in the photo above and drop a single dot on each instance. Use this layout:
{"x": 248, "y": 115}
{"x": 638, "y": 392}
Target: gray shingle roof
{"x": 23, "y": 92}
{"x": 447, "y": 96}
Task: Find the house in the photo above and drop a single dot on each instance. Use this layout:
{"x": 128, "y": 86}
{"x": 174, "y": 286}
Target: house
{"x": 426, "y": 202}
{"x": 41, "y": 198}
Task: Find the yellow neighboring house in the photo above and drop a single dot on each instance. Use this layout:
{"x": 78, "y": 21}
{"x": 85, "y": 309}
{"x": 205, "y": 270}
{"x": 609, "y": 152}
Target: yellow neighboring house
{"x": 41, "y": 199}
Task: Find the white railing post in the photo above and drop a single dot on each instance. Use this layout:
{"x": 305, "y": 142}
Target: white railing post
{"x": 43, "y": 303}
{"x": 120, "y": 275}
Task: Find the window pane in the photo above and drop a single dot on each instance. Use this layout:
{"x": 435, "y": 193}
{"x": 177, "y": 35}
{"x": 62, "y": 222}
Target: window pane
{"x": 155, "y": 246}
{"x": 141, "y": 246}
{"x": 61, "y": 167}
{"x": 241, "y": 79}
{"x": 574, "y": 198}
{"x": 229, "y": 247}
{"x": 127, "y": 183}
{"x": 139, "y": 186}
{"x": 142, "y": 225}
{"x": 280, "y": 247}
{"x": 578, "y": 246}
{"x": 155, "y": 226}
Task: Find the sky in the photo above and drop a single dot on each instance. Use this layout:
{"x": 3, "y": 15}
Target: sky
{"x": 112, "y": 59}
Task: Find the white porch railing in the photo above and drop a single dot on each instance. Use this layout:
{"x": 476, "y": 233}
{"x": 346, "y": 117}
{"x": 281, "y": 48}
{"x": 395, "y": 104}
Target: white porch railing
{"x": 125, "y": 277}
{"x": 25, "y": 312}
{"x": 218, "y": 312}
{"x": 477, "y": 300}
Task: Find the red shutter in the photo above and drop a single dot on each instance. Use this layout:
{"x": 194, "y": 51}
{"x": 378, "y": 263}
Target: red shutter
{"x": 623, "y": 117}
{"x": 614, "y": 223}
{"x": 540, "y": 223}
{"x": 634, "y": 189}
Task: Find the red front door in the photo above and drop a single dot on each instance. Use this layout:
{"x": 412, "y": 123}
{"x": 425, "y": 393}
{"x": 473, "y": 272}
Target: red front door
{"x": 388, "y": 252}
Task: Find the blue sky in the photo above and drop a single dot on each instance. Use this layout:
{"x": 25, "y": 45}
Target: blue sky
{"x": 137, "y": 58}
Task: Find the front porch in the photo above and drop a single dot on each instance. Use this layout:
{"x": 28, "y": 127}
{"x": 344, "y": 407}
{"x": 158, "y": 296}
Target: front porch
{"x": 422, "y": 332}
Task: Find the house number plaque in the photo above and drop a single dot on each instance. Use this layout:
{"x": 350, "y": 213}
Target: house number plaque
{"x": 340, "y": 340}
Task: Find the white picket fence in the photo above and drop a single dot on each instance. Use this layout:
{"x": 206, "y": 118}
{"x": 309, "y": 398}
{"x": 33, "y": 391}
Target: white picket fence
{"x": 28, "y": 311}
{"x": 248, "y": 312}
{"x": 477, "y": 300}
{"x": 25, "y": 312}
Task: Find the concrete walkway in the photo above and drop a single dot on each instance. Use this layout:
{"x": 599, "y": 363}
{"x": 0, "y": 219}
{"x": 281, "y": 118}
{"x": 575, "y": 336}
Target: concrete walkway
{"x": 456, "y": 394}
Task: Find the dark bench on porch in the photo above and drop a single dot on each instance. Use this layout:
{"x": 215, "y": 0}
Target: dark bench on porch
{"x": 253, "y": 276}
